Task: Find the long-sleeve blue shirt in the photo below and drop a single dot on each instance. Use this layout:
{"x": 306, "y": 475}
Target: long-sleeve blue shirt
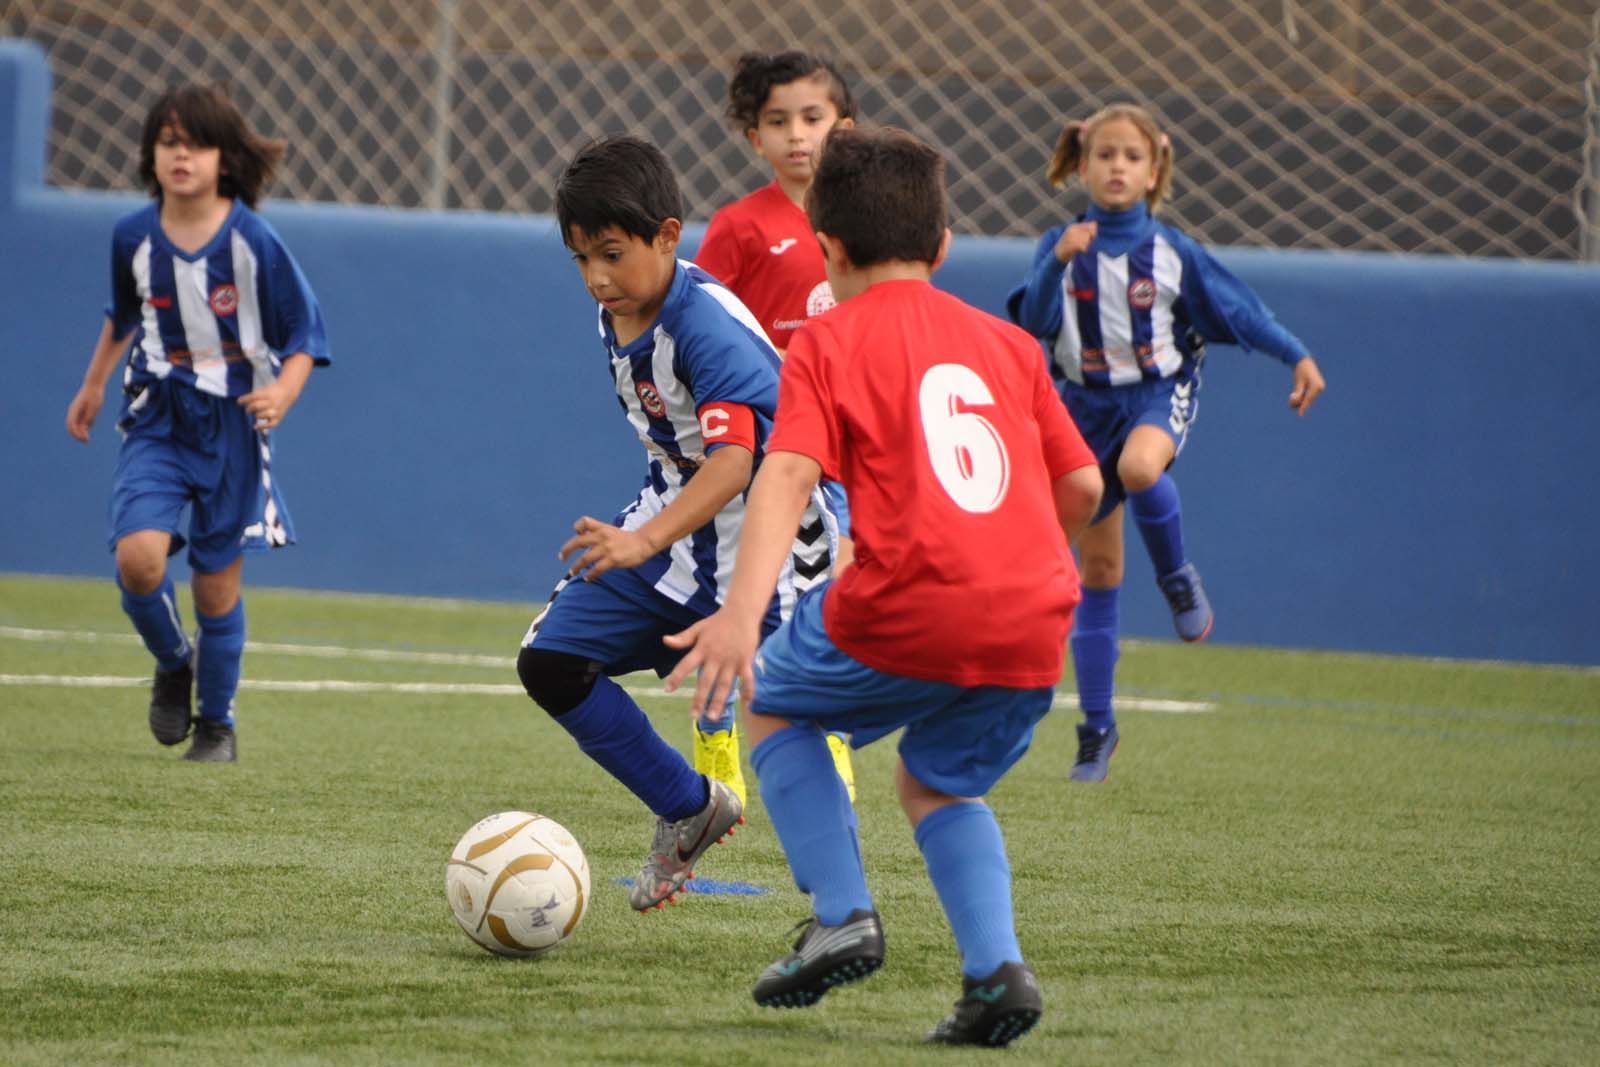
{"x": 1124, "y": 310}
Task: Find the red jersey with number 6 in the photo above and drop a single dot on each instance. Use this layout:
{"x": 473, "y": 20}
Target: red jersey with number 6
{"x": 942, "y": 424}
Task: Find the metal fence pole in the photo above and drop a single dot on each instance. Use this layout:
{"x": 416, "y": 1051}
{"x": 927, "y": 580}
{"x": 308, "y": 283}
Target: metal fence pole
{"x": 444, "y": 80}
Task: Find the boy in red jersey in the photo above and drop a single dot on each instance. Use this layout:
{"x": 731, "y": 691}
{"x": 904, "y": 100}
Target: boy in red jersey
{"x": 966, "y": 482}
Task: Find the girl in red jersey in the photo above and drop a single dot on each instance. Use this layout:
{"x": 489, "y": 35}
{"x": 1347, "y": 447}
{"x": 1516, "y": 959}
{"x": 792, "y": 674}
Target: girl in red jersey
{"x": 762, "y": 248}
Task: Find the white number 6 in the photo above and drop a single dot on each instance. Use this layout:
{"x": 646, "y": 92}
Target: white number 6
{"x": 966, "y": 451}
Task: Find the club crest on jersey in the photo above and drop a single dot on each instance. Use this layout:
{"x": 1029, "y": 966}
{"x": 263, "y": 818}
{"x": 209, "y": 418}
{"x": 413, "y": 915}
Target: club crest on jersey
{"x": 651, "y": 399}
{"x": 820, "y": 299}
{"x": 1142, "y": 293}
{"x": 225, "y": 299}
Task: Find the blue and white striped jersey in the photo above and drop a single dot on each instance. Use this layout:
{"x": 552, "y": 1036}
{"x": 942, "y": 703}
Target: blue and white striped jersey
{"x": 705, "y": 347}
{"x": 1123, "y": 311}
{"x": 219, "y": 319}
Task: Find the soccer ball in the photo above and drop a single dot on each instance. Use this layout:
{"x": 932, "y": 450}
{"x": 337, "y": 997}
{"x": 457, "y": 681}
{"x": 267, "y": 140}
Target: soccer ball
{"x": 517, "y": 883}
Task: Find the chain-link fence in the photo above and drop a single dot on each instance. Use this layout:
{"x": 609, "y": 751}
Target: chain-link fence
{"x": 1453, "y": 127}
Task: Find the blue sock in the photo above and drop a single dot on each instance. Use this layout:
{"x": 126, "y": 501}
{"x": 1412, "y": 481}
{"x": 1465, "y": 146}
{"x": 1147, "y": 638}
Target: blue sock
{"x": 219, "y": 651}
{"x": 614, "y": 732}
{"x": 811, "y": 812}
{"x": 966, "y": 859}
{"x": 1160, "y": 521}
{"x": 1094, "y": 654}
{"x": 155, "y": 616}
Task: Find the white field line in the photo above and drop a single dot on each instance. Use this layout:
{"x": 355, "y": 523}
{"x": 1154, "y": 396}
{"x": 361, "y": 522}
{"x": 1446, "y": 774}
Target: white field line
{"x": 385, "y": 655}
{"x": 375, "y": 655}
{"x": 324, "y": 685}
{"x": 334, "y": 685}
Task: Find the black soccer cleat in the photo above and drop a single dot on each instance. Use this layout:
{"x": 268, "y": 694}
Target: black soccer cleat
{"x": 992, "y": 1011}
{"x": 169, "y": 704}
{"x": 213, "y": 743}
{"x": 823, "y": 957}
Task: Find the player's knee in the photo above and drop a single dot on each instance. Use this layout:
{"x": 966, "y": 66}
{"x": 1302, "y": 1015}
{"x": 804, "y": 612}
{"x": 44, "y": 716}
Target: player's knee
{"x": 1100, "y": 571}
{"x": 1138, "y": 472}
{"x": 557, "y": 681}
{"x": 140, "y": 572}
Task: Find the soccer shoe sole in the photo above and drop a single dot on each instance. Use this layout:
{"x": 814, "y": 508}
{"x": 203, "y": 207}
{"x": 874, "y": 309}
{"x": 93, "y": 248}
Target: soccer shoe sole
{"x": 839, "y": 955}
{"x": 169, "y": 724}
{"x": 1203, "y": 633}
{"x": 842, "y": 973}
{"x": 1002, "y": 1030}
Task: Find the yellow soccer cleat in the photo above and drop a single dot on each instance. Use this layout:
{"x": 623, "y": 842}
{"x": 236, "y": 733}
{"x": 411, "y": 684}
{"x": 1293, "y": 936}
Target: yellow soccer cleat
{"x": 717, "y": 756}
{"x": 841, "y": 760}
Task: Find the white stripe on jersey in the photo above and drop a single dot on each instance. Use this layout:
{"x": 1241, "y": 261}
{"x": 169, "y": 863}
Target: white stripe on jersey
{"x": 675, "y": 395}
{"x": 248, "y": 316}
{"x": 155, "y": 353}
{"x": 735, "y": 307}
{"x": 1168, "y": 270}
{"x": 1116, "y": 320}
{"x": 192, "y": 281}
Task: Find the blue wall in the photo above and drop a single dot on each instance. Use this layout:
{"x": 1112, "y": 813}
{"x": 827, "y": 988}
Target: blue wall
{"x": 1439, "y": 499}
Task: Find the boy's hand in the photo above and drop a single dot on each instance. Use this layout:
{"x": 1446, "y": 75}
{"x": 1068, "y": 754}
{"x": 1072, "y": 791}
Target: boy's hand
{"x": 605, "y": 547}
{"x": 1308, "y": 385}
{"x": 722, "y": 650}
{"x": 1076, "y": 239}
{"x": 82, "y": 411}
{"x": 269, "y": 404}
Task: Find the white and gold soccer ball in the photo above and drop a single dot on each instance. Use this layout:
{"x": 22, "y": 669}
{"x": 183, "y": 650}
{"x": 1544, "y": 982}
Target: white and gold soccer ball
{"x": 518, "y": 883}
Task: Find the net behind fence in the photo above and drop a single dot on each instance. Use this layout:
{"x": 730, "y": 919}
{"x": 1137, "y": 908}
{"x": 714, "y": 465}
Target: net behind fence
{"x": 1449, "y": 127}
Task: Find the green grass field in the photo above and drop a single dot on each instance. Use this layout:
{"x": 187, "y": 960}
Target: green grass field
{"x": 1346, "y": 859}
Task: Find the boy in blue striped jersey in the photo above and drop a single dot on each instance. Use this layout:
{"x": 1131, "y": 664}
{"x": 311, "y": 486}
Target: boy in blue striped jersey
{"x": 698, "y": 381}
{"x": 221, "y": 330}
{"x": 1124, "y": 303}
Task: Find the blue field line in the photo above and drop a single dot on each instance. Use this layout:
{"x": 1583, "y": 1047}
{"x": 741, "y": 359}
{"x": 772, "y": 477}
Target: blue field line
{"x": 712, "y": 888}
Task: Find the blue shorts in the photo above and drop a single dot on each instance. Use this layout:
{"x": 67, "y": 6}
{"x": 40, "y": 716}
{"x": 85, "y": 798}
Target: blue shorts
{"x": 1106, "y": 416}
{"x": 957, "y": 740}
{"x": 184, "y": 448}
{"x": 616, "y": 620}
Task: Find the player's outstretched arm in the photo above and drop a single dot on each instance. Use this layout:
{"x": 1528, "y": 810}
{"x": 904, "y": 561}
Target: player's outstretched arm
{"x": 1077, "y": 494}
{"x": 603, "y": 547}
{"x": 85, "y": 405}
{"x": 1308, "y": 385}
{"x": 723, "y": 646}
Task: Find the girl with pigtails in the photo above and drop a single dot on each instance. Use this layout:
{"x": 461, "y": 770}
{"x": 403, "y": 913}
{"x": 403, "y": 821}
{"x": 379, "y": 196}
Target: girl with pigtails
{"x": 1124, "y": 304}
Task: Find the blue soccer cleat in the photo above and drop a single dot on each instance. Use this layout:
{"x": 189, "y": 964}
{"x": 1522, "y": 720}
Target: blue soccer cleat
{"x": 1094, "y": 753}
{"x": 1191, "y": 611}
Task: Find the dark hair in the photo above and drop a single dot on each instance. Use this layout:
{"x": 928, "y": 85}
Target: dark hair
{"x": 619, "y": 181}
{"x": 209, "y": 119}
{"x": 756, "y": 74}
{"x": 881, "y": 193}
